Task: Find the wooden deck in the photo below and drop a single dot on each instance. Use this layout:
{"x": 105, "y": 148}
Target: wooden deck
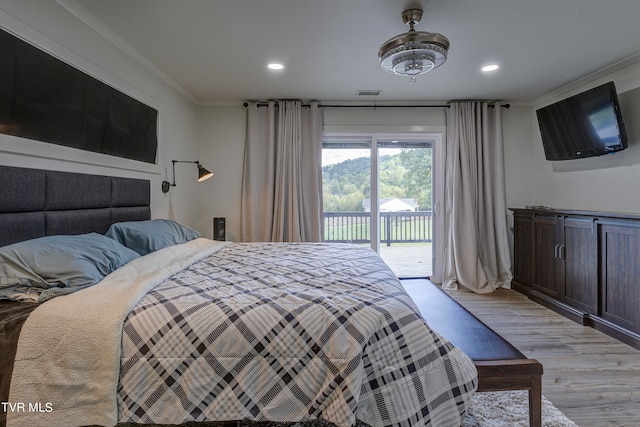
{"x": 408, "y": 260}
{"x": 591, "y": 377}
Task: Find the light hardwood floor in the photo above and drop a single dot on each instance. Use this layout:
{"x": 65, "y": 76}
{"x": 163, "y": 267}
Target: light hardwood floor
{"x": 592, "y": 378}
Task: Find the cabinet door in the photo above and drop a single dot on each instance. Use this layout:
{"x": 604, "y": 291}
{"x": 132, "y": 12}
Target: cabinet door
{"x": 620, "y": 270}
{"x": 579, "y": 254}
{"x": 546, "y": 264}
{"x": 523, "y": 249}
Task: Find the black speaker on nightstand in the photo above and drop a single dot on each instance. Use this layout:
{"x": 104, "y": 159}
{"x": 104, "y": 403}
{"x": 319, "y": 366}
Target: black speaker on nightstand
{"x": 218, "y": 229}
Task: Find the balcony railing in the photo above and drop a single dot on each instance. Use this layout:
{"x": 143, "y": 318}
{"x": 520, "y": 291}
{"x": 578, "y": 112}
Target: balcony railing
{"x": 395, "y": 227}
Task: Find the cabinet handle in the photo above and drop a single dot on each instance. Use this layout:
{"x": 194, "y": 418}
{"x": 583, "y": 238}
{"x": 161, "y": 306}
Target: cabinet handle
{"x": 555, "y": 251}
{"x": 561, "y": 252}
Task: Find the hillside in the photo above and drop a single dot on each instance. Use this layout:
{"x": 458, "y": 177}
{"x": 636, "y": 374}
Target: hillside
{"x": 405, "y": 175}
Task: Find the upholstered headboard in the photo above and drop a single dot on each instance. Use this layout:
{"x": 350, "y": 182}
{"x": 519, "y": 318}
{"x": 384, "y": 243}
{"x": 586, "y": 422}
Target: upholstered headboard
{"x": 36, "y": 203}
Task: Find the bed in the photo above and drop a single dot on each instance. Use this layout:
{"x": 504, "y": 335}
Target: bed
{"x": 196, "y": 330}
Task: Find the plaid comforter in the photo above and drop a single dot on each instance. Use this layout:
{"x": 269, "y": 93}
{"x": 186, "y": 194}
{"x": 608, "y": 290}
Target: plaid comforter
{"x": 288, "y": 332}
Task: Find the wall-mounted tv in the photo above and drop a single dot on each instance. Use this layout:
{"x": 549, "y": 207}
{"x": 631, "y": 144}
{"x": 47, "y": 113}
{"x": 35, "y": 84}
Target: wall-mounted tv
{"x": 585, "y": 125}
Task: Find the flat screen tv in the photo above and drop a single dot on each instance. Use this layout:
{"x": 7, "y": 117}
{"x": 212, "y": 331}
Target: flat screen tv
{"x": 585, "y": 125}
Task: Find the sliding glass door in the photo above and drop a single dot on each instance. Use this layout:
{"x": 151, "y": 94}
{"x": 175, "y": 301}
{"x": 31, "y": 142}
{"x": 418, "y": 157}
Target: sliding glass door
{"x": 346, "y": 184}
{"x": 378, "y": 190}
{"x": 405, "y": 207}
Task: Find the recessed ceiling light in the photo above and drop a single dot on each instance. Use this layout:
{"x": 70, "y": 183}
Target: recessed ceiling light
{"x": 490, "y": 67}
{"x": 275, "y": 66}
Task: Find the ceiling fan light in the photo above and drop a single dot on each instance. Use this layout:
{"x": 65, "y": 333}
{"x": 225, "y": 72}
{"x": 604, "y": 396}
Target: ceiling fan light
{"x": 413, "y": 64}
{"x": 414, "y": 52}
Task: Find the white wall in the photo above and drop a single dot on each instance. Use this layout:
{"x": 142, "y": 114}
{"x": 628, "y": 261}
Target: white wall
{"x": 383, "y": 119}
{"x": 606, "y": 183}
{"x": 222, "y": 135}
{"x": 53, "y": 28}
{"x": 516, "y": 125}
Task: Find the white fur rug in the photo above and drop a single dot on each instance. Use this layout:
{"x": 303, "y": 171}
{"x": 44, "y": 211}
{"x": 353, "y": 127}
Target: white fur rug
{"x": 496, "y": 409}
{"x": 510, "y": 409}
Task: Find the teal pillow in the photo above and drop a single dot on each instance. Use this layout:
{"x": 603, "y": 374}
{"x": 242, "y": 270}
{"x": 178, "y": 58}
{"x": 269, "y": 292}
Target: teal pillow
{"x": 61, "y": 261}
{"x": 147, "y": 236}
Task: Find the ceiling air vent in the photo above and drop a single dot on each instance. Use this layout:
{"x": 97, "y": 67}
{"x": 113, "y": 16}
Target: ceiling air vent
{"x": 368, "y": 92}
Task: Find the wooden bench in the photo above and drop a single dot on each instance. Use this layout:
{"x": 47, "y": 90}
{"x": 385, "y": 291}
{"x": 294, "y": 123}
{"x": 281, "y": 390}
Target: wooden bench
{"x": 501, "y": 367}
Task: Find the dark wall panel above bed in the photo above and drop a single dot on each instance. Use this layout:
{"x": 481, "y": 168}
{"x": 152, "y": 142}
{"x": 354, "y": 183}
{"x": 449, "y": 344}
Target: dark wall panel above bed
{"x": 36, "y": 203}
{"x": 129, "y": 192}
{"x": 46, "y": 99}
{"x": 63, "y": 191}
{"x": 15, "y": 184}
{"x": 16, "y": 227}
{"x": 77, "y": 221}
{"x": 132, "y": 213}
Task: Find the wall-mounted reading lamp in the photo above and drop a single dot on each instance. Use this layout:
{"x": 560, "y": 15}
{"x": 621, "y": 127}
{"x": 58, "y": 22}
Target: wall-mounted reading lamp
{"x": 203, "y": 174}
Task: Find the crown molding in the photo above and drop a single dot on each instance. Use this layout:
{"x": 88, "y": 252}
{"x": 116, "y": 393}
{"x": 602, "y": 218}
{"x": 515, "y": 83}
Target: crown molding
{"x": 590, "y": 79}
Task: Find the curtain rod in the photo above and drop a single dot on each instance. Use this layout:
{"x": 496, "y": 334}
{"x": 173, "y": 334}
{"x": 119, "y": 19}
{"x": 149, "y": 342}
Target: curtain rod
{"x": 264, "y": 104}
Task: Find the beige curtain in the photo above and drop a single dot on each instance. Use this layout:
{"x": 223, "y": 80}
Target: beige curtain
{"x": 282, "y": 177}
{"x": 476, "y": 247}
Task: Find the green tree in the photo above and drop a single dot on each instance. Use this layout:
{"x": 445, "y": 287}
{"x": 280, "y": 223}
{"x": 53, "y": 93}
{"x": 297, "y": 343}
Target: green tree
{"x": 418, "y": 179}
{"x": 346, "y": 184}
{"x": 392, "y": 174}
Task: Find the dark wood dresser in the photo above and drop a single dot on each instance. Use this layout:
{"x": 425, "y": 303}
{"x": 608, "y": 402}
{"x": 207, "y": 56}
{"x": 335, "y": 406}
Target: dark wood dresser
{"x": 584, "y": 265}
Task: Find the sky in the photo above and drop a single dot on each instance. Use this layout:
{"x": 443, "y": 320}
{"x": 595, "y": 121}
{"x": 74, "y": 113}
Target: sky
{"x": 339, "y": 155}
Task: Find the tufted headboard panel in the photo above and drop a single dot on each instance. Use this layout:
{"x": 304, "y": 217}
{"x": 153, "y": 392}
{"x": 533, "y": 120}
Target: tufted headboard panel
{"x": 36, "y": 203}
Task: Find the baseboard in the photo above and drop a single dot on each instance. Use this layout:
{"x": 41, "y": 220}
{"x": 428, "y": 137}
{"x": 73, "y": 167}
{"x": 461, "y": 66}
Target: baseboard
{"x": 559, "y": 307}
{"x": 621, "y": 334}
{"x": 522, "y": 288}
